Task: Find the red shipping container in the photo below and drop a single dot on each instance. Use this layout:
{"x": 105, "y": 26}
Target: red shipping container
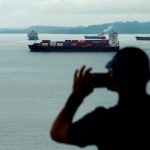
{"x": 104, "y": 41}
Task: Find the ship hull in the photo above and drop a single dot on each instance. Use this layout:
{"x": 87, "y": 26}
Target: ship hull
{"x": 38, "y": 48}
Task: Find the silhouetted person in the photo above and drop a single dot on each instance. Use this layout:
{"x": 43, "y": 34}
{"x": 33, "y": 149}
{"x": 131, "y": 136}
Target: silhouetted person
{"x": 124, "y": 126}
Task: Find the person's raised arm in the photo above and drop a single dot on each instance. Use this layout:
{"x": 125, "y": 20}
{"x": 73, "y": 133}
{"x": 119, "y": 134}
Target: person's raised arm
{"x": 81, "y": 88}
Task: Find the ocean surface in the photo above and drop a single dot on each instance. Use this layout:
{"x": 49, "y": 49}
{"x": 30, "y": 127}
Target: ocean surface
{"x": 35, "y": 86}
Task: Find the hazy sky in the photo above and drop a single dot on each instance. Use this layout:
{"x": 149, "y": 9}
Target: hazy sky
{"x": 25, "y": 13}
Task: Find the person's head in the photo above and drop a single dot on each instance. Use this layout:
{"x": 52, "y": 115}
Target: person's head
{"x": 130, "y": 68}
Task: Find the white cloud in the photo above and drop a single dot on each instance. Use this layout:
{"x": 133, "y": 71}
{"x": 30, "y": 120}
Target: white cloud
{"x": 71, "y": 12}
{"x": 94, "y": 6}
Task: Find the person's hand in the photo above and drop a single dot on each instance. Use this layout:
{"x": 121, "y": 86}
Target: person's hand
{"x": 83, "y": 81}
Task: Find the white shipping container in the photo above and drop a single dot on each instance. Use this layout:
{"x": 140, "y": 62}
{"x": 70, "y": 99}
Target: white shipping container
{"x": 60, "y": 44}
{"x": 52, "y": 43}
{"x": 44, "y": 44}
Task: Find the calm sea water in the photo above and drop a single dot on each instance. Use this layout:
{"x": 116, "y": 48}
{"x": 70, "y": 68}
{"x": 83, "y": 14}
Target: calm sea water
{"x": 34, "y": 87}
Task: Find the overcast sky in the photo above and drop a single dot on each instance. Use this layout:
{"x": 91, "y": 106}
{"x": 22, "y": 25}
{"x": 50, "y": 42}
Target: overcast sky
{"x": 25, "y": 13}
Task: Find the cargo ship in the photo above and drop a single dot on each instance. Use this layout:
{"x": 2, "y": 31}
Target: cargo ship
{"x": 103, "y": 45}
{"x": 144, "y": 38}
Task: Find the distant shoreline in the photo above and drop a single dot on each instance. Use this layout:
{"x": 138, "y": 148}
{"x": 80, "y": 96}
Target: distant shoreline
{"x": 128, "y": 27}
